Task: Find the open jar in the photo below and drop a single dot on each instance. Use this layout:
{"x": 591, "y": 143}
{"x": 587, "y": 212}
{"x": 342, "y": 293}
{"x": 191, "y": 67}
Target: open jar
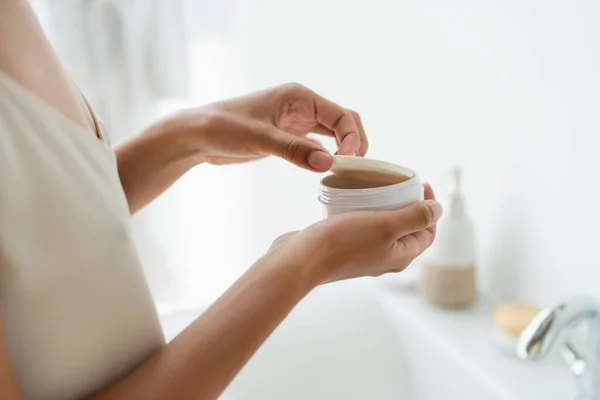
{"x": 358, "y": 183}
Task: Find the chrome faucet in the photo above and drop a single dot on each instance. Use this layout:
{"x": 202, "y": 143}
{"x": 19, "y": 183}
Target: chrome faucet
{"x": 550, "y": 328}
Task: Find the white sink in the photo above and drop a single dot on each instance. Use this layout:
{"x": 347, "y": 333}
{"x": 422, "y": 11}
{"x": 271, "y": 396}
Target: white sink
{"x": 366, "y": 339}
{"x": 335, "y": 345}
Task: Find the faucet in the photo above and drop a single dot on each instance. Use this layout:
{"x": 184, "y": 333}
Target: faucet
{"x": 550, "y": 328}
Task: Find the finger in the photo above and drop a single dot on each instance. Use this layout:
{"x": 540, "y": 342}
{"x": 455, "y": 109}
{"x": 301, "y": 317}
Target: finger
{"x": 299, "y": 151}
{"x": 364, "y": 143}
{"x": 428, "y": 192}
{"x": 429, "y": 195}
{"x": 409, "y": 247}
{"x": 415, "y": 217}
{"x": 341, "y": 122}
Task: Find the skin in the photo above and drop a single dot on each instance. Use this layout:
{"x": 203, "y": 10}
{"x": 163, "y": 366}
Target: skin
{"x": 272, "y": 122}
{"x": 201, "y": 361}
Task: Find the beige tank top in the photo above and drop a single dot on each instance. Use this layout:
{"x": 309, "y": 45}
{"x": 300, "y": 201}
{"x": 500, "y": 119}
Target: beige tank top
{"x": 75, "y": 307}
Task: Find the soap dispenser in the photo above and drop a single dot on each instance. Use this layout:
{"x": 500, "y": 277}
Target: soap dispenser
{"x": 448, "y": 269}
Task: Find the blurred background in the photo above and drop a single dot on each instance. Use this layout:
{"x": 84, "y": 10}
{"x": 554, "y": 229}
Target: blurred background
{"x": 508, "y": 90}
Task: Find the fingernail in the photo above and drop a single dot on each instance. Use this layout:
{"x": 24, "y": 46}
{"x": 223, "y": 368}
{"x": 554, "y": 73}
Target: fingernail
{"x": 436, "y": 209}
{"x": 320, "y": 160}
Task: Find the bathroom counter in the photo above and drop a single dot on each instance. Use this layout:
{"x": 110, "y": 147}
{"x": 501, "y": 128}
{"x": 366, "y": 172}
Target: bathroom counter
{"x": 468, "y": 334}
{"x": 374, "y": 339}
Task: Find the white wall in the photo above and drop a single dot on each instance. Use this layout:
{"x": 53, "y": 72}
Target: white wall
{"x": 508, "y": 89}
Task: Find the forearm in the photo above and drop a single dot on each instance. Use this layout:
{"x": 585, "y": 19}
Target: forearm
{"x": 203, "y": 359}
{"x": 152, "y": 161}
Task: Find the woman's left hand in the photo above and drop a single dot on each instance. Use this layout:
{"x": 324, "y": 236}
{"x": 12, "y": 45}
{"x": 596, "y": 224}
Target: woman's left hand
{"x": 272, "y": 122}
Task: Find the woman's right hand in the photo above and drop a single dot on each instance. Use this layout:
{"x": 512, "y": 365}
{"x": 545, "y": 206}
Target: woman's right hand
{"x": 364, "y": 243}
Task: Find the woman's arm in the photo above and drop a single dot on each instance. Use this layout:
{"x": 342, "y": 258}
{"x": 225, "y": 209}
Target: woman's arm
{"x": 272, "y": 122}
{"x": 152, "y": 161}
{"x": 201, "y": 361}
{"x": 204, "y": 358}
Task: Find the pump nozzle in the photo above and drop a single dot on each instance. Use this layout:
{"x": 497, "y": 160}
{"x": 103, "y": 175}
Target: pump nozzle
{"x": 457, "y": 206}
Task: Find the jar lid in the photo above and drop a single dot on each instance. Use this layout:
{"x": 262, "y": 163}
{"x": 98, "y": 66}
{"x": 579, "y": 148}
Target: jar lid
{"x": 369, "y": 170}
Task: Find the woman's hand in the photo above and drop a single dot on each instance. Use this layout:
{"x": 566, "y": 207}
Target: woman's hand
{"x": 366, "y": 243}
{"x": 272, "y": 122}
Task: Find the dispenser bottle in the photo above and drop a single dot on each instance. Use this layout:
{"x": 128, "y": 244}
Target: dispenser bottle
{"x": 448, "y": 269}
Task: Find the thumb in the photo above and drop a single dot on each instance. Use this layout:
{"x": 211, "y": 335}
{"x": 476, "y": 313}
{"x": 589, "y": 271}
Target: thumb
{"x": 415, "y": 217}
{"x": 300, "y": 151}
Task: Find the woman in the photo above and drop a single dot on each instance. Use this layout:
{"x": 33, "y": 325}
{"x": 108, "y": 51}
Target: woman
{"x": 76, "y": 316}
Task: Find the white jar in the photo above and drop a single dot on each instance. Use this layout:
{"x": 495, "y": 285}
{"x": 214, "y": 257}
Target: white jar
{"x": 358, "y": 183}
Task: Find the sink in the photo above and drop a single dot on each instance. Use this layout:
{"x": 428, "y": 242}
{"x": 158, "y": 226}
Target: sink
{"x": 369, "y": 339}
{"x": 337, "y": 344}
